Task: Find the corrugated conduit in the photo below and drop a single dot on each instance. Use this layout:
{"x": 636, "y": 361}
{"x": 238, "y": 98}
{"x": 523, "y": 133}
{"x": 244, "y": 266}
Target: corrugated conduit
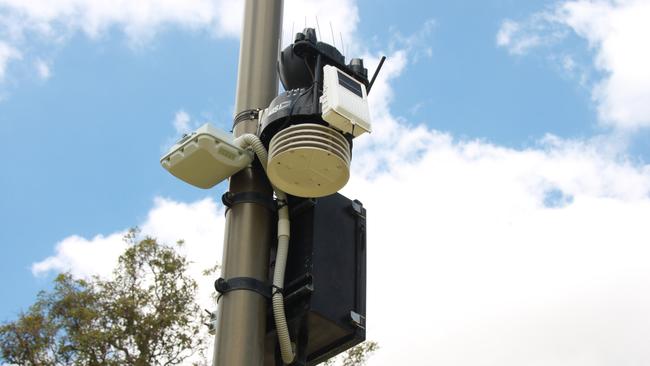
{"x": 284, "y": 339}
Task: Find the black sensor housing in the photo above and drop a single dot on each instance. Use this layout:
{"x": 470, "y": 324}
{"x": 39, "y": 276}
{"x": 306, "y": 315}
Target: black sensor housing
{"x": 300, "y": 68}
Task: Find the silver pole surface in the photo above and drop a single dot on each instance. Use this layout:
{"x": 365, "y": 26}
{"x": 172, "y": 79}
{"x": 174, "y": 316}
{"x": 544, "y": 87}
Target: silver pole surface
{"x": 241, "y": 319}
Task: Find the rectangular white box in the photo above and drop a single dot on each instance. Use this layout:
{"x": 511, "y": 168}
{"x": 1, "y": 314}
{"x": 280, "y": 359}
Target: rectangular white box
{"x": 206, "y": 157}
{"x": 344, "y": 102}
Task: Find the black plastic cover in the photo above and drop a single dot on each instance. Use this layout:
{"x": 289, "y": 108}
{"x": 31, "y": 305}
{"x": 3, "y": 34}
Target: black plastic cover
{"x": 325, "y": 281}
{"x": 295, "y": 72}
{"x": 300, "y": 68}
{"x": 298, "y": 104}
{"x": 291, "y": 108}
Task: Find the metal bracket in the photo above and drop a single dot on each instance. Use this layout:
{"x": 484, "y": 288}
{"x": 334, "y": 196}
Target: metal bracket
{"x": 302, "y": 205}
{"x": 242, "y": 283}
{"x": 298, "y": 289}
{"x": 358, "y": 210}
{"x": 230, "y": 199}
{"x": 212, "y": 324}
{"x": 358, "y": 320}
{"x": 245, "y": 115}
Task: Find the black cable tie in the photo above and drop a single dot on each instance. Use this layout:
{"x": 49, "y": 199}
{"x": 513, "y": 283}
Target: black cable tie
{"x": 277, "y": 290}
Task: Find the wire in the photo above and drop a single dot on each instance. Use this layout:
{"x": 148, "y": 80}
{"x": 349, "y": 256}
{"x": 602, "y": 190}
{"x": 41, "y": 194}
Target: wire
{"x": 318, "y": 27}
{"x": 309, "y": 69}
{"x": 293, "y": 105}
{"x": 295, "y": 101}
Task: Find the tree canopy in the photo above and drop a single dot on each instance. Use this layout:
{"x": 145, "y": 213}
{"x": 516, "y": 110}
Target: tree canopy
{"x": 145, "y": 314}
{"x": 355, "y": 356}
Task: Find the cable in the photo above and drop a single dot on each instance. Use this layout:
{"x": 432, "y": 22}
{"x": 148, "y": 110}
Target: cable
{"x": 302, "y": 94}
{"x": 292, "y": 106}
{"x": 284, "y": 232}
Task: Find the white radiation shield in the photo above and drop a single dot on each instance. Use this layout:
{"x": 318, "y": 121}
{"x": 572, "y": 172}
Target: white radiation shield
{"x": 309, "y": 160}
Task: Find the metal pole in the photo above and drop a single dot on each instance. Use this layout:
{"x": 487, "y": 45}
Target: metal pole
{"x": 241, "y": 319}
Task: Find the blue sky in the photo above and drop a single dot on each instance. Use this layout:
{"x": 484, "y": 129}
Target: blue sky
{"x": 526, "y": 123}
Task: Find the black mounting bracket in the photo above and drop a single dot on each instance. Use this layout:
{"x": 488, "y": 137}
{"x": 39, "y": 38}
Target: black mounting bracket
{"x": 230, "y": 199}
{"x": 224, "y": 286}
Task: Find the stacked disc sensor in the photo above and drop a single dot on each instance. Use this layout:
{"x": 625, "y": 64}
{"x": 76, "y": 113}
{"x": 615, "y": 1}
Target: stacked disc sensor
{"x": 309, "y": 160}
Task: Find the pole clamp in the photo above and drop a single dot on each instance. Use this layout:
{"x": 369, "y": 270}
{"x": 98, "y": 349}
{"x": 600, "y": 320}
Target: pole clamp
{"x": 246, "y": 115}
{"x": 230, "y": 199}
{"x": 242, "y": 283}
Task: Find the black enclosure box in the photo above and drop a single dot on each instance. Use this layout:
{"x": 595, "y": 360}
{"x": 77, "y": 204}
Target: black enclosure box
{"x": 325, "y": 281}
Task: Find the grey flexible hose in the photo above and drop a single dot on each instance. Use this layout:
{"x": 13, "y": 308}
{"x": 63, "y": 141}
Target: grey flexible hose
{"x": 284, "y": 338}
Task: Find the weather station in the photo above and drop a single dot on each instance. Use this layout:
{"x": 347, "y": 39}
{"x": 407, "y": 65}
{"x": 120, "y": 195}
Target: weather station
{"x": 293, "y": 285}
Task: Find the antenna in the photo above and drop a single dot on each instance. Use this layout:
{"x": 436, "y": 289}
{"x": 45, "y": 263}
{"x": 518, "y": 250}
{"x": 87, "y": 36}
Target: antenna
{"x": 342, "y": 44}
{"x": 381, "y": 63}
{"x": 318, "y": 27}
{"x": 333, "y": 40}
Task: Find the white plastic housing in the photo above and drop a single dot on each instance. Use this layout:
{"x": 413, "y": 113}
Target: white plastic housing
{"x": 206, "y": 157}
{"x": 344, "y": 102}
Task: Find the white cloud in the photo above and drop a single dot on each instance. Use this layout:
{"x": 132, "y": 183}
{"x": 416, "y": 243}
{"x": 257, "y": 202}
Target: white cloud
{"x": 24, "y": 23}
{"x": 27, "y": 23}
{"x": 510, "y": 36}
{"x": 7, "y": 53}
{"x": 568, "y": 63}
{"x": 479, "y": 262}
{"x": 142, "y": 19}
{"x": 506, "y": 31}
{"x": 501, "y": 256}
{"x": 200, "y": 224}
{"x": 417, "y": 44}
{"x": 138, "y": 19}
{"x": 538, "y": 30}
{"x": 43, "y": 69}
{"x": 617, "y": 32}
{"x": 182, "y": 122}
{"x": 84, "y": 257}
{"x": 533, "y": 256}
